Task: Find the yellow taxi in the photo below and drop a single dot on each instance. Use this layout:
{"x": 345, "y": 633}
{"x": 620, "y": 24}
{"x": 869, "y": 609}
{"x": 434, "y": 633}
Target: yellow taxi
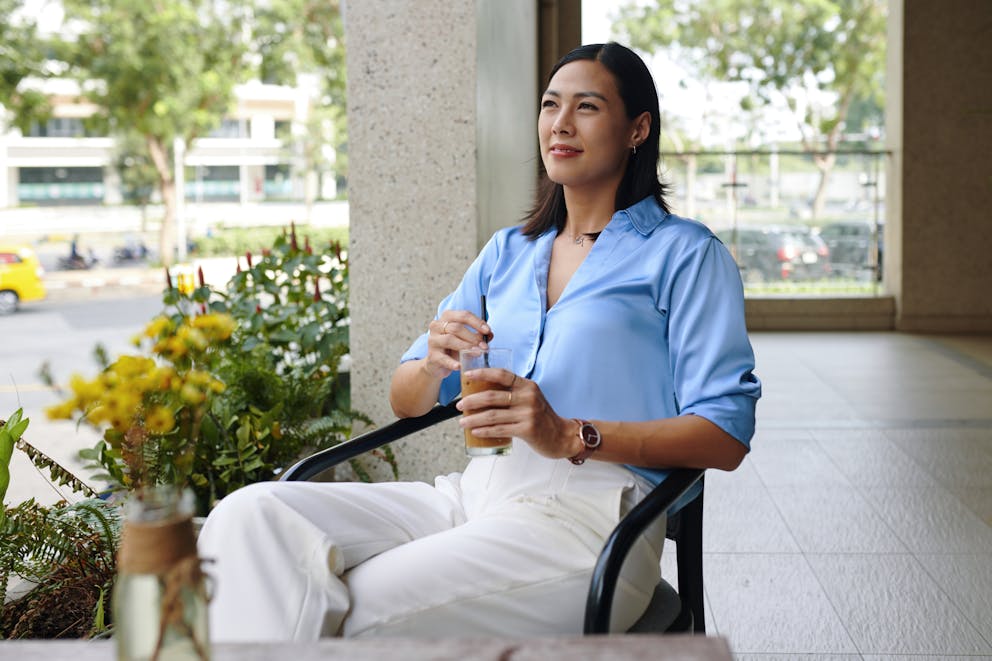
{"x": 20, "y": 277}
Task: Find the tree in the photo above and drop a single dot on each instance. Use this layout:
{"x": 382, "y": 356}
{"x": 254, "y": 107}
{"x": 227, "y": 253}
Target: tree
{"x": 163, "y": 68}
{"x": 22, "y": 57}
{"x": 139, "y": 176}
{"x": 801, "y": 51}
{"x": 307, "y": 36}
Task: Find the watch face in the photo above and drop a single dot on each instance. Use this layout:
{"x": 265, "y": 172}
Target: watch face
{"x": 590, "y": 435}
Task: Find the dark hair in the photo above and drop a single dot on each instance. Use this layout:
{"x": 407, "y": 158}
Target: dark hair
{"x": 637, "y": 90}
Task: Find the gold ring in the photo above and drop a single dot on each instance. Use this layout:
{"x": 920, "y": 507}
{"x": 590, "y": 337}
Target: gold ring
{"x": 509, "y": 398}
{"x": 444, "y": 329}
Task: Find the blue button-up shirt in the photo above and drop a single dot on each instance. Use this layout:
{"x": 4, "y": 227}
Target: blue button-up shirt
{"x": 650, "y": 326}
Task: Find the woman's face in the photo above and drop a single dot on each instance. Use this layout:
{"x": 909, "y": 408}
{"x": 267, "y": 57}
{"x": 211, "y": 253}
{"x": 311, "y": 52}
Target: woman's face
{"x": 583, "y": 129}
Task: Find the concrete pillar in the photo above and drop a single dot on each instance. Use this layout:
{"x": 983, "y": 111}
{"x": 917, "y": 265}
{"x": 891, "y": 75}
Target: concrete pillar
{"x": 946, "y": 194}
{"x": 112, "y": 193}
{"x": 442, "y": 107}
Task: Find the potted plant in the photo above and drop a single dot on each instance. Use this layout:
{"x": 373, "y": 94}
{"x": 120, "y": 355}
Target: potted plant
{"x": 57, "y": 563}
{"x": 231, "y": 386}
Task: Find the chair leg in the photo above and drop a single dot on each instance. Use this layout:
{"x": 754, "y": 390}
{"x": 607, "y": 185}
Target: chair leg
{"x": 689, "y": 554}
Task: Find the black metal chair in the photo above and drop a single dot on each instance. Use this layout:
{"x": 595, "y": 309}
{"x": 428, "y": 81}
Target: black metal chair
{"x": 669, "y": 611}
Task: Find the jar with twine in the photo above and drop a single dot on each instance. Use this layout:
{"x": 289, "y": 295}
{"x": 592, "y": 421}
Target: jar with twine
{"x": 160, "y": 597}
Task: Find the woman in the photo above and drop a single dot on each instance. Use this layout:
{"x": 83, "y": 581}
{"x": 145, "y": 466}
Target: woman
{"x": 630, "y": 356}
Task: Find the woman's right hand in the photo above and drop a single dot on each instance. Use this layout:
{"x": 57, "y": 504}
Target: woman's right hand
{"x": 453, "y": 331}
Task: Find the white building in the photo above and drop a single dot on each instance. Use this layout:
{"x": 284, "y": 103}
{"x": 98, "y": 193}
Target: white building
{"x": 243, "y": 160}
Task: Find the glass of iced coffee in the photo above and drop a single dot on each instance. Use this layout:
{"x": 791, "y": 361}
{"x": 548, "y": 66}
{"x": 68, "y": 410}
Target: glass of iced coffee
{"x": 472, "y": 359}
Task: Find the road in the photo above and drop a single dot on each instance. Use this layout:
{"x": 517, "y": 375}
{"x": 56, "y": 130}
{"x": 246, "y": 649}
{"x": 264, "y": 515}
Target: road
{"x": 62, "y": 333}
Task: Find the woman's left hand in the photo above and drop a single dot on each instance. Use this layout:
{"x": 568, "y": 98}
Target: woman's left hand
{"x": 517, "y": 407}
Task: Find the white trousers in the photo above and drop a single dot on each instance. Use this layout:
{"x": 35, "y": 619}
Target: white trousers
{"x": 507, "y": 546}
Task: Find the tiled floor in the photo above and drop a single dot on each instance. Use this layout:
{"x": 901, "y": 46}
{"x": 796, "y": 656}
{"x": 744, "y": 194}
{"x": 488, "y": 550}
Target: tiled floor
{"x": 860, "y": 526}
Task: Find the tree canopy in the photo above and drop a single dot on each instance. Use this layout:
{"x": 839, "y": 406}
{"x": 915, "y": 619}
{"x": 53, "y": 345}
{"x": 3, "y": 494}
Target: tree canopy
{"x": 799, "y": 51}
{"x": 167, "y": 69}
{"x": 22, "y": 56}
{"x": 294, "y": 36}
{"x": 164, "y": 69}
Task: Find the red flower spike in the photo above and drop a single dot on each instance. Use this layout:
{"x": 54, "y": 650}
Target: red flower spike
{"x": 248, "y": 256}
{"x": 316, "y": 291}
{"x": 168, "y": 278}
{"x": 292, "y": 236}
{"x": 258, "y": 309}
{"x": 203, "y": 308}
{"x": 199, "y": 273}
{"x": 238, "y": 266}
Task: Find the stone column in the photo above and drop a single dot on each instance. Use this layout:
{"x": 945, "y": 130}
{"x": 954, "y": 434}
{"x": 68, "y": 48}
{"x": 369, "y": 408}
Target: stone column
{"x": 437, "y": 93}
{"x": 944, "y": 158}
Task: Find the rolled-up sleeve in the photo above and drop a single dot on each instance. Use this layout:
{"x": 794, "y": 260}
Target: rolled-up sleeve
{"x": 712, "y": 360}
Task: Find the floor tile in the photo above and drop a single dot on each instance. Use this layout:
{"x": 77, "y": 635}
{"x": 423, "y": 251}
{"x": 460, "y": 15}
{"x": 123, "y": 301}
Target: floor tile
{"x": 744, "y": 476}
{"x": 967, "y": 580}
{"x": 765, "y": 603}
{"x": 954, "y": 456}
{"x": 795, "y": 461}
{"x": 949, "y": 405}
{"x": 977, "y": 499}
{"x": 931, "y": 520}
{"x": 968, "y": 349}
{"x": 838, "y": 521}
{"x": 889, "y": 604}
{"x": 744, "y": 520}
{"x": 926, "y": 657}
{"x": 869, "y": 459}
{"x": 795, "y": 656}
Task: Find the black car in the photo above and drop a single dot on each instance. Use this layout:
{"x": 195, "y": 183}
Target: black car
{"x": 777, "y": 253}
{"x": 853, "y": 247}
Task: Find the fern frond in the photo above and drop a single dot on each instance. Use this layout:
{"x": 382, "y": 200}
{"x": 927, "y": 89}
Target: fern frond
{"x": 59, "y": 474}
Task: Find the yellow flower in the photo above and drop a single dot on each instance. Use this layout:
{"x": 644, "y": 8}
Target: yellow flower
{"x": 159, "y": 420}
{"x": 98, "y": 414}
{"x": 158, "y": 326}
{"x": 191, "y": 394}
{"x": 215, "y": 326}
{"x": 132, "y": 366}
{"x": 62, "y": 411}
{"x": 193, "y": 337}
{"x": 85, "y": 391}
{"x": 172, "y": 348}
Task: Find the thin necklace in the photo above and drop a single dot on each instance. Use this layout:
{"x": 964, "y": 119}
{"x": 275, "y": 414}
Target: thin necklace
{"x": 580, "y": 239}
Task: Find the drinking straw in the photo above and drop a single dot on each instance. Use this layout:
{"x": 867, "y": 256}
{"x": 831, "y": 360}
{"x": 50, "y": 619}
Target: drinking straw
{"x": 485, "y": 317}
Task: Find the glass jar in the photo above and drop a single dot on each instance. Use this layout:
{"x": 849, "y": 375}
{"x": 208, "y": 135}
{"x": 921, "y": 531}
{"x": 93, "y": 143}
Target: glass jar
{"x": 160, "y": 598}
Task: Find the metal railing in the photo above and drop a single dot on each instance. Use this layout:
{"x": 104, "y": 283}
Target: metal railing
{"x": 791, "y": 230}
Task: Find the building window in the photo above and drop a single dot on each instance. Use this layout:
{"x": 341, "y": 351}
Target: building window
{"x": 60, "y": 185}
{"x": 230, "y": 128}
{"x": 59, "y": 127}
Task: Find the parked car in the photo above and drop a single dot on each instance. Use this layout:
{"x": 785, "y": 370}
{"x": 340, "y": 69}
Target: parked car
{"x": 853, "y": 247}
{"x": 777, "y": 253}
{"x": 20, "y": 277}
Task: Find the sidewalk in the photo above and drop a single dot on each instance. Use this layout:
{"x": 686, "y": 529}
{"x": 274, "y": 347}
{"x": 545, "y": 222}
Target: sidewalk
{"x": 104, "y": 282}
{"x": 129, "y": 281}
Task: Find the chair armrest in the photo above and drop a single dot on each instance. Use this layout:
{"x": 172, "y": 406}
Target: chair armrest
{"x": 318, "y": 462}
{"x": 599, "y": 603}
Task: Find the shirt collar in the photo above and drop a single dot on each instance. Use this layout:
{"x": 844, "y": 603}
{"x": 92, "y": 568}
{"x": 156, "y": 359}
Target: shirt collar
{"x": 645, "y": 216}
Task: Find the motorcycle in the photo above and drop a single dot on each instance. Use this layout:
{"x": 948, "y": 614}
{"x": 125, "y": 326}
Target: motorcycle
{"x": 76, "y": 262}
{"x": 130, "y": 252}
